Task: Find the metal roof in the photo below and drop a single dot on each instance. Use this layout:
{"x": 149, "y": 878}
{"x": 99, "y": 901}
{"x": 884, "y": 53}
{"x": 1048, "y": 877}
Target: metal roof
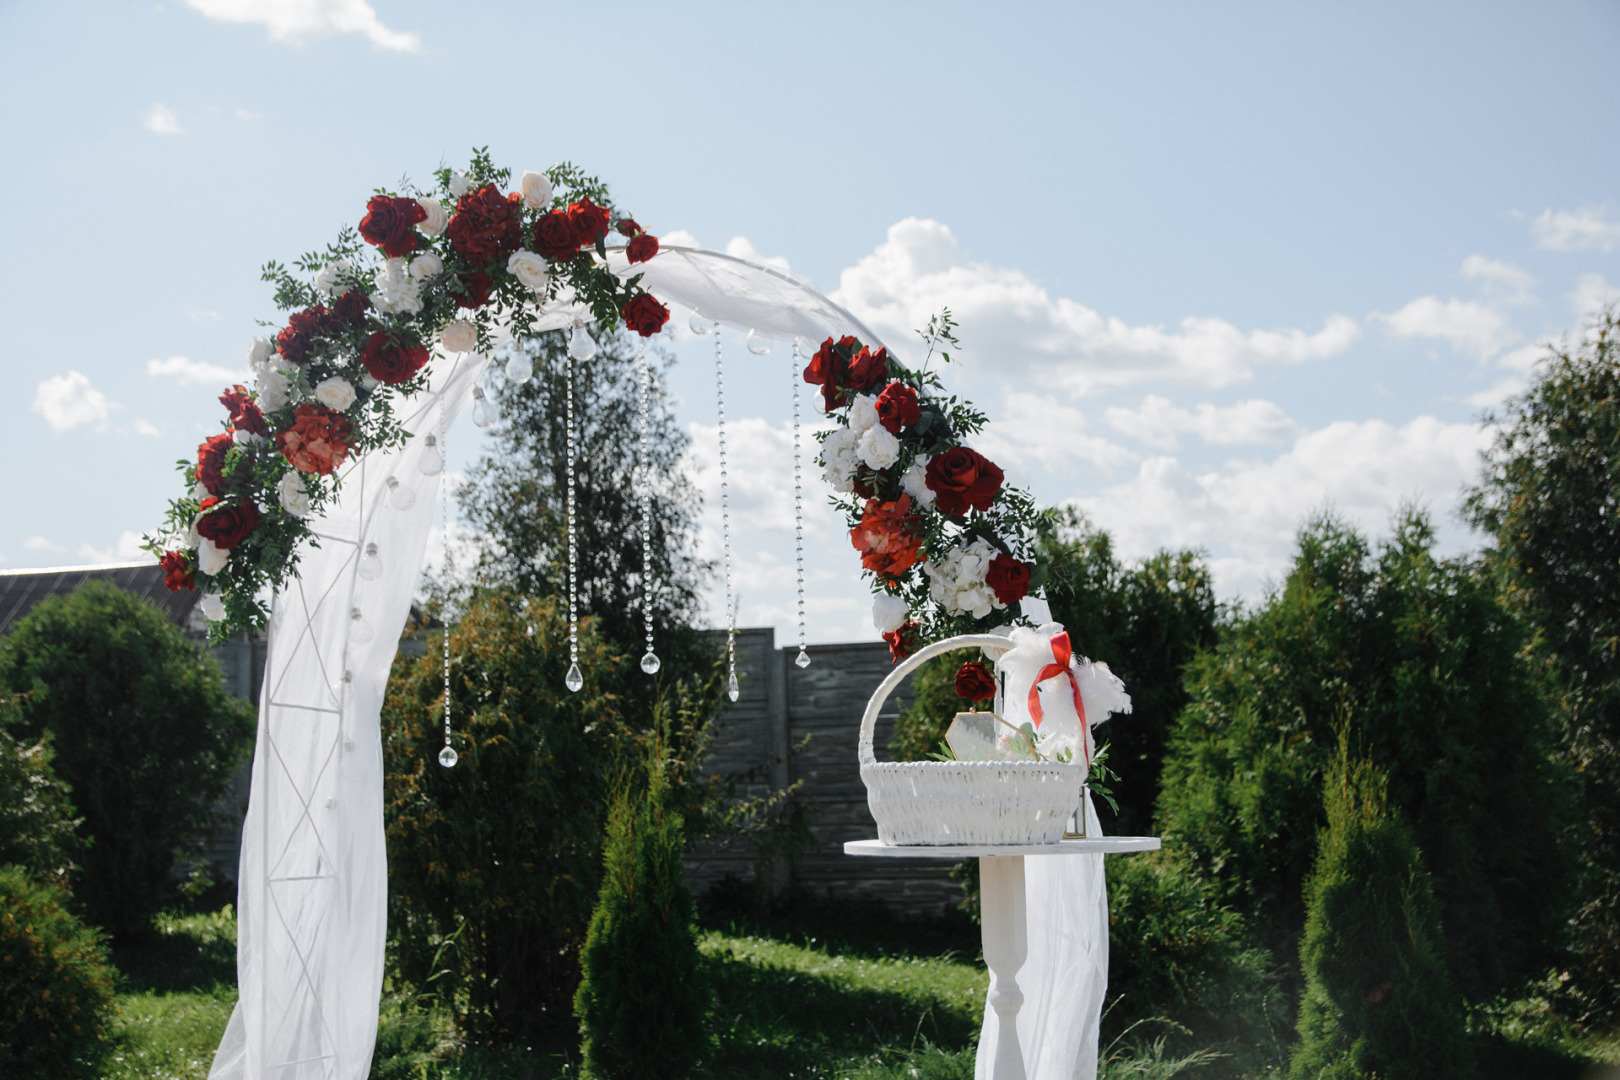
{"x": 20, "y": 590}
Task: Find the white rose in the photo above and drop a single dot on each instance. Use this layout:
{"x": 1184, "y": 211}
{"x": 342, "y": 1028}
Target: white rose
{"x": 437, "y": 219}
{"x": 536, "y": 190}
{"x": 863, "y": 413}
{"x": 839, "y": 460}
{"x": 328, "y": 277}
{"x": 293, "y": 495}
{"x": 369, "y": 382}
{"x": 528, "y": 268}
{"x": 193, "y": 537}
{"x": 889, "y": 613}
{"x": 260, "y": 351}
{"x": 212, "y": 607}
{"x": 459, "y": 183}
{"x": 425, "y": 266}
{"x": 335, "y": 393}
{"x": 246, "y": 438}
{"x": 459, "y": 337}
{"x": 274, "y": 389}
{"x": 397, "y": 293}
{"x": 915, "y": 482}
{"x": 878, "y": 448}
{"x": 199, "y": 493}
{"x": 211, "y": 558}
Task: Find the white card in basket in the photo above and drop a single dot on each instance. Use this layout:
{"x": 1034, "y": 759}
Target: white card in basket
{"x": 980, "y": 736}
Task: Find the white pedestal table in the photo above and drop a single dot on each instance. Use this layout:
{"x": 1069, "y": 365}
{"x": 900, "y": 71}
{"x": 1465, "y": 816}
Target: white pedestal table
{"x": 1002, "y": 917}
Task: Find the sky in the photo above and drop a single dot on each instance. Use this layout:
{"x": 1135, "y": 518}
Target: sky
{"x": 1216, "y": 266}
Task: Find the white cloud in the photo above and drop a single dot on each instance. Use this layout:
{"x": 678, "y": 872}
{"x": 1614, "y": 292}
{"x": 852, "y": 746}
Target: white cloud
{"x": 66, "y": 401}
{"x": 39, "y": 543}
{"x": 1469, "y": 326}
{"x": 1019, "y": 328}
{"x": 679, "y": 238}
{"x": 1032, "y": 429}
{"x": 160, "y": 120}
{"x": 1156, "y": 422}
{"x": 1586, "y": 229}
{"x": 248, "y": 115}
{"x": 1592, "y": 294}
{"x": 294, "y": 21}
{"x": 127, "y": 548}
{"x": 1246, "y": 513}
{"x": 1502, "y": 282}
{"x": 740, "y": 247}
{"x": 146, "y": 427}
{"x": 194, "y": 372}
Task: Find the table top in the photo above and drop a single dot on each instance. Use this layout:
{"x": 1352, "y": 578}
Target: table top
{"x": 1102, "y": 845}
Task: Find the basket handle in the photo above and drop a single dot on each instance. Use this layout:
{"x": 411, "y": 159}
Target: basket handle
{"x": 906, "y": 667}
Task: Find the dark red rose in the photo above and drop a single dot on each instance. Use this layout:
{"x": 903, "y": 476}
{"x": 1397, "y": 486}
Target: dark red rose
{"x": 295, "y": 342}
{"x": 555, "y": 236}
{"x": 868, "y": 369}
{"x": 628, "y": 227}
{"x": 645, "y": 315}
{"x": 589, "y": 220}
{"x": 352, "y": 306}
{"x": 829, "y": 369}
{"x": 974, "y": 682}
{"x": 227, "y": 526}
{"x": 245, "y": 414}
{"x": 485, "y": 228}
{"x": 1008, "y": 578}
{"x": 211, "y": 462}
{"x": 479, "y": 285}
{"x": 176, "y": 571}
{"x": 392, "y": 361}
{"x": 904, "y": 641}
{"x": 641, "y": 248}
{"x": 962, "y": 478}
{"x": 897, "y": 407}
{"x": 388, "y": 224}
{"x": 867, "y": 483}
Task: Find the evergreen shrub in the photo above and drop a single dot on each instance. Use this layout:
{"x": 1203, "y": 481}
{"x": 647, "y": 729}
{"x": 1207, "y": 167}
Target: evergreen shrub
{"x": 56, "y": 985}
{"x": 1378, "y": 1001}
{"x": 36, "y": 818}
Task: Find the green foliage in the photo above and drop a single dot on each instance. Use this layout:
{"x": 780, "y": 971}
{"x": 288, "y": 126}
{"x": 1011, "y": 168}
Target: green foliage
{"x": 1417, "y": 656}
{"x": 1378, "y": 1001}
{"x": 176, "y": 991}
{"x": 36, "y": 819}
{"x": 143, "y": 732}
{"x": 56, "y": 986}
{"x": 1550, "y": 501}
{"x": 642, "y": 1001}
{"x": 500, "y": 857}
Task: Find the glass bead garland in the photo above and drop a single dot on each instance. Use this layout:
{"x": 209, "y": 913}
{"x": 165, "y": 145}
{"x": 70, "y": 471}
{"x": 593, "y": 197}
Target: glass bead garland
{"x": 574, "y": 679}
{"x": 733, "y": 691}
{"x": 803, "y": 659}
{"x": 447, "y": 756}
{"x": 649, "y": 662}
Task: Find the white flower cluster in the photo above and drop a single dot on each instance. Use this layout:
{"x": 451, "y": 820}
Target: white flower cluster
{"x": 956, "y": 581}
{"x": 459, "y": 337}
{"x": 335, "y": 278}
{"x": 864, "y": 442}
{"x": 915, "y": 482}
{"x": 889, "y": 613}
{"x": 399, "y": 292}
{"x": 529, "y": 268}
{"x": 270, "y": 375}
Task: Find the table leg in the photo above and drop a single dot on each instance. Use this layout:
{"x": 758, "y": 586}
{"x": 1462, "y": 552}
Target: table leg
{"x": 1006, "y": 944}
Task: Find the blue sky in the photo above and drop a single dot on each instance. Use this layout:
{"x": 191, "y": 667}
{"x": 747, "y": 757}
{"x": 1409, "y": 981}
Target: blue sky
{"x": 1215, "y": 265}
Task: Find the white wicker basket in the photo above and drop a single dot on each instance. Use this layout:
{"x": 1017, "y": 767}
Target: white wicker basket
{"x": 963, "y": 802}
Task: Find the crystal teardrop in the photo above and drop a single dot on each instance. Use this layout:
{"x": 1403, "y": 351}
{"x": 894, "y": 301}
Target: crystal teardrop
{"x": 574, "y": 680}
{"x": 448, "y": 756}
{"x": 759, "y": 344}
{"x": 803, "y": 659}
{"x": 650, "y": 663}
{"x": 733, "y": 691}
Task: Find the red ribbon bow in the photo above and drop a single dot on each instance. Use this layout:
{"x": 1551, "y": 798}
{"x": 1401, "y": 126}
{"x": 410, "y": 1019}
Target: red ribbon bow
{"x": 1062, "y": 653}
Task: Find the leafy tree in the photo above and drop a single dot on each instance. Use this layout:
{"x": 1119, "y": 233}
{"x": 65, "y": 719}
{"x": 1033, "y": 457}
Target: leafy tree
{"x": 143, "y": 732}
{"x": 1418, "y": 658}
{"x": 642, "y": 1002}
{"x": 1378, "y": 1001}
{"x": 1550, "y": 501}
{"x": 37, "y": 826}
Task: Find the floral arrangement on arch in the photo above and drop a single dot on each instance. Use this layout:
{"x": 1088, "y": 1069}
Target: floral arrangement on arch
{"x": 443, "y": 267}
{"x": 945, "y": 542}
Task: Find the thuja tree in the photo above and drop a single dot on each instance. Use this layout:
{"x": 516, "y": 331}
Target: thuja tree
{"x": 494, "y": 865}
{"x": 37, "y": 824}
{"x": 1550, "y": 501}
{"x": 1418, "y": 658}
{"x": 1378, "y": 1000}
{"x": 143, "y": 731}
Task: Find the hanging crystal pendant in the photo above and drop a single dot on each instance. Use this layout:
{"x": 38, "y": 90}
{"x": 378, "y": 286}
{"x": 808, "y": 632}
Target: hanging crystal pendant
{"x": 759, "y": 344}
{"x": 699, "y": 324}
{"x": 432, "y": 461}
{"x": 733, "y": 691}
{"x": 581, "y": 346}
{"x": 803, "y": 659}
{"x": 483, "y": 410}
{"x": 448, "y": 756}
{"x": 519, "y": 369}
{"x": 574, "y": 680}
{"x": 400, "y": 497}
{"x": 371, "y": 565}
{"x": 650, "y": 663}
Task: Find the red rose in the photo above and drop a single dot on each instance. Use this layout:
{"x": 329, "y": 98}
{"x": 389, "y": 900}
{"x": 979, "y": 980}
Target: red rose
{"x": 628, "y": 227}
{"x": 211, "y": 462}
{"x": 897, "y": 407}
{"x": 829, "y": 368}
{"x": 391, "y": 361}
{"x": 479, "y": 285}
{"x": 887, "y": 537}
{"x": 245, "y": 414}
{"x": 641, "y": 248}
{"x": 904, "y": 641}
{"x": 298, "y": 338}
{"x": 318, "y": 441}
{"x": 485, "y": 228}
{"x": 1008, "y": 578}
{"x": 352, "y": 306}
{"x": 176, "y": 571}
{"x": 589, "y": 220}
{"x": 645, "y": 315}
{"x": 868, "y": 369}
{"x": 388, "y": 224}
{"x": 555, "y": 236}
{"x": 962, "y": 478}
{"x": 227, "y": 526}
{"x": 974, "y": 682}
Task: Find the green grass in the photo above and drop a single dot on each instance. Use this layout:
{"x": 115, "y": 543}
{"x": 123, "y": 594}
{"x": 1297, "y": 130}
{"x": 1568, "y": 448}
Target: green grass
{"x": 176, "y": 989}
